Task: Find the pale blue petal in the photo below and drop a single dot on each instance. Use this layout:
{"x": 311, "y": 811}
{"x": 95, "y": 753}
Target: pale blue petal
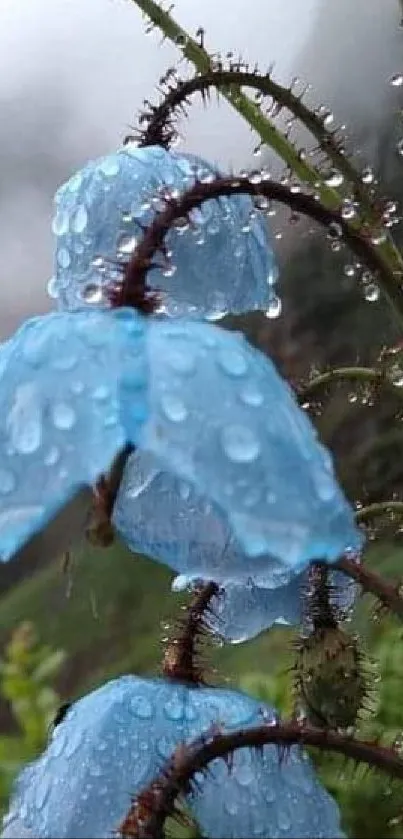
{"x": 222, "y": 419}
{"x": 115, "y": 740}
{"x": 224, "y": 263}
{"x": 60, "y": 425}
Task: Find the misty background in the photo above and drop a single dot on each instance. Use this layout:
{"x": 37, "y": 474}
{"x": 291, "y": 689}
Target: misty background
{"x": 73, "y": 75}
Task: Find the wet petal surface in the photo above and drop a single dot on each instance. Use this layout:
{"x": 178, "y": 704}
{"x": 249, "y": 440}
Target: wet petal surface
{"x": 60, "y": 428}
{"x": 221, "y": 263}
{"x": 115, "y": 740}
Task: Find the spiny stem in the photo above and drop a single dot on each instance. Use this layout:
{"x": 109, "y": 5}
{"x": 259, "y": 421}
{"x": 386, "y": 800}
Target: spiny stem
{"x": 378, "y": 509}
{"x": 180, "y": 659}
{"x": 267, "y": 132}
{"x": 195, "y": 758}
{"x": 388, "y": 594}
{"x": 228, "y": 78}
{"x": 142, "y": 259}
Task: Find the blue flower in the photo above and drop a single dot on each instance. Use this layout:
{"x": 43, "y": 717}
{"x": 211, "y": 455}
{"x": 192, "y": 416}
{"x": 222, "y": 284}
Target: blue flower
{"x": 165, "y": 518}
{"x": 59, "y": 392}
{"x": 115, "y": 740}
{"x": 75, "y": 387}
{"x": 223, "y": 263}
{"x": 222, "y": 419}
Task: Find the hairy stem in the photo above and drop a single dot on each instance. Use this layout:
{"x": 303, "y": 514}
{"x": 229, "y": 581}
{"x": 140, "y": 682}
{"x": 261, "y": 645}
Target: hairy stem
{"x": 158, "y": 801}
{"x": 181, "y": 655}
{"x": 264, "y": 127}
{"x": 361, "y": 375}
{"x": 388, "y": 594}
{"x": 142, "y": 259}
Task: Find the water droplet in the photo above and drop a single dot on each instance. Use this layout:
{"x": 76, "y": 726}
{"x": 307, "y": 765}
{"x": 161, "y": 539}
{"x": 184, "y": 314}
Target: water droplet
{"x": 63, "y": 258}
{"x": 333, "y": 179}
{"x": 169, "y": 271}
{"x": 372, "y": 292}
{"x": 141, "y": 707}
{"x": 349, "y": 270}
{"x": 126, "y": 245}
{"x": 52, "y": 289}
{"x": 173, "y": 407}
{"x": 7, "y": 481}
{"x": 399, "y": 148}
{"x": 396, "y": 375}
{"x": 24, "y": 422}
{"x": 251, "y": 395}
{"x": 367, "y": 175}
{"x": 60, "y": 223}
{"x": 240, "y": 444}
{"x": 174, "y": 709}
{"x": 80, "y": 220}
{"x": 348, "y": 209}
{"x": 63, "y": 416}
{"x": 92, "y": 293}
{"x": 274, "y": 308}
{"x": 232, "y": 362}
{"x": 110, "y": 167}
{"x": 99, "y": 264}
{"x": 397, "y": 80}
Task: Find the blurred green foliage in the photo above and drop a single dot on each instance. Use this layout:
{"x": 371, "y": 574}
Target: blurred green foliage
{"x": 27, "y": 673}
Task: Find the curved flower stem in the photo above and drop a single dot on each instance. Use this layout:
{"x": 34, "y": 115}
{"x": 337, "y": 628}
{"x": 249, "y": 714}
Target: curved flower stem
{"x": 378, "y": 509}
{"x": 150, "y": 808}
{"x": 263, "y": 126}
{"x": 245, "y": 107}
{"x": 142, "y": 260}
{"x": 181, "y": 655}
{"x": 346, "y": 374}
{"x": 388, "y": 594}
{"x": 225, "y": 79}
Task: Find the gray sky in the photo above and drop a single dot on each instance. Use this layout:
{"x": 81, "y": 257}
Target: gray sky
{"x": 74, "y": 72}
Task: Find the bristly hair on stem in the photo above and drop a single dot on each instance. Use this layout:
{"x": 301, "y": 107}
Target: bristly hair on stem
{"x": 359, "y": 240}
{"x": 149, "y": 809}
{"x": 182, "y": 658}
{"x": 159, "y": 120}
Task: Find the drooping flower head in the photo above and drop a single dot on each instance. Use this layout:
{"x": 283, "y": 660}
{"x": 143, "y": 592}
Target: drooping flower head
{"x": 221, "y": 262}
{"x": 114, "y": 741}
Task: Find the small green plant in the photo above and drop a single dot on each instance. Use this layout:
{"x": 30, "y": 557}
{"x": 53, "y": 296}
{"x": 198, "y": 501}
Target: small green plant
{"x": 27, "y": 675}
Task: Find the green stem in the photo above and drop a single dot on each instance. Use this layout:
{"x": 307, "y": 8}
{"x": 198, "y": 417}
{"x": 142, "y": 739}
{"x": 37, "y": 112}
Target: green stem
{"x": 378, "y": 509}
{"x": 345, "y": 374}
{"x": 267, "y": 131}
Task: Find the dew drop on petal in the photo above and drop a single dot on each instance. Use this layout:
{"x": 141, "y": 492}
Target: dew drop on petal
{"x": 92, "y": 293}
{"x": 80, "y": 219}
{"x": 141, "y": 707}
{"x": 63, "y": 258}
{"x": 109, "y": 167}
{"x": 251, "y": 395}
{"x": 63, "y": 416}
{"x": 24, "y": 422}
{"x": 126, "y": 245}
{"x": 173, "y": 407}
{"x": 232, "y": 362}
{"x": 240, "y": 444}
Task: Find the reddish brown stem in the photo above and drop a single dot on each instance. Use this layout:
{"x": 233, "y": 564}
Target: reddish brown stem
{"x": 142, "y": 261}
{"x": 150, "y": 808}
{"x": 181, "y": 660}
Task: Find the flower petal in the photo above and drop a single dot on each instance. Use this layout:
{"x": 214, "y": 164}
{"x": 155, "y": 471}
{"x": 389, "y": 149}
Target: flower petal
{"x": 223, "y": 263}
{"x": 115, "y": 740}
{"x": 222, "y": 418}
{"x": 61, "y": 427}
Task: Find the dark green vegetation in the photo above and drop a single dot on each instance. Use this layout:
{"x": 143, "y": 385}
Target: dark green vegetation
{"x": 112, "y": 622}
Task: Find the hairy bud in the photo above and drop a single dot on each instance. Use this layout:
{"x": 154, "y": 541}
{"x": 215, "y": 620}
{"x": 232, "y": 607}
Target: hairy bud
{"x": 330, "y": 678}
